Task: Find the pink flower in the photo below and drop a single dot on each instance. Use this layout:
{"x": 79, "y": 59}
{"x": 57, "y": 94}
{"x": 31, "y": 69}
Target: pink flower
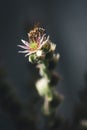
{"x": 37, "y": 39}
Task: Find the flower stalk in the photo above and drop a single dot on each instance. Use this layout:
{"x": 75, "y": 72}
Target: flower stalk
{"x": 41, "y": 51}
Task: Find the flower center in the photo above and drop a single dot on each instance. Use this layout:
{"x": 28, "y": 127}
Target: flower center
{"x": 33, "y": 46}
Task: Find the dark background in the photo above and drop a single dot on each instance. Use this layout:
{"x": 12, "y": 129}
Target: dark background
{"x": 66, "y": 23}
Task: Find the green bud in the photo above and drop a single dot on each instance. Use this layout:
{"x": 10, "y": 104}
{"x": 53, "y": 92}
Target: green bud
{"x": 32, "y": 58}
{"x": 46, "y": 47}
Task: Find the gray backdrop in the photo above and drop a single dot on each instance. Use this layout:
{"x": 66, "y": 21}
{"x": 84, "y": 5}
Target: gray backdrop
{"x": 66, "y": 23}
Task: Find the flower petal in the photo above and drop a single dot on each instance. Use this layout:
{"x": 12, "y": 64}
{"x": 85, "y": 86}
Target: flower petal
{"x": 27, "y": 54}
{"x": 24, "y": 47}
{"x": 30, "y": 53}
{"x": 26, "y": 51}
{"x": 25, "y": 43}
{"x": 42, "y": 38}
{"x": 44, "y": 42}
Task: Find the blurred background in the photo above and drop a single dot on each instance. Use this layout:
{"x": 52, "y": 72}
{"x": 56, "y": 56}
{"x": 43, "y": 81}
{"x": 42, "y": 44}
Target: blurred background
{"x": 66, "y": 23}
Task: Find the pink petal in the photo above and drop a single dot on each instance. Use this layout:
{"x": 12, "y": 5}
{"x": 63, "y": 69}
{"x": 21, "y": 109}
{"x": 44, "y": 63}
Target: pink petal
{"x": 27, "y": 54}
{"x": 25, "y": 43}
{"x": 24, "y": 47}
{"x": 30, "y": 53}
{"x": 26, "y": 51}
{"x": 44, "y": 42}
{"x": 42, "y": 38}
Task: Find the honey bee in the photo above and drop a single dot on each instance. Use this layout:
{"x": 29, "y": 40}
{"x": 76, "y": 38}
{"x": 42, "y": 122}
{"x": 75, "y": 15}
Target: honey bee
{"x": 36, "y": 33}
